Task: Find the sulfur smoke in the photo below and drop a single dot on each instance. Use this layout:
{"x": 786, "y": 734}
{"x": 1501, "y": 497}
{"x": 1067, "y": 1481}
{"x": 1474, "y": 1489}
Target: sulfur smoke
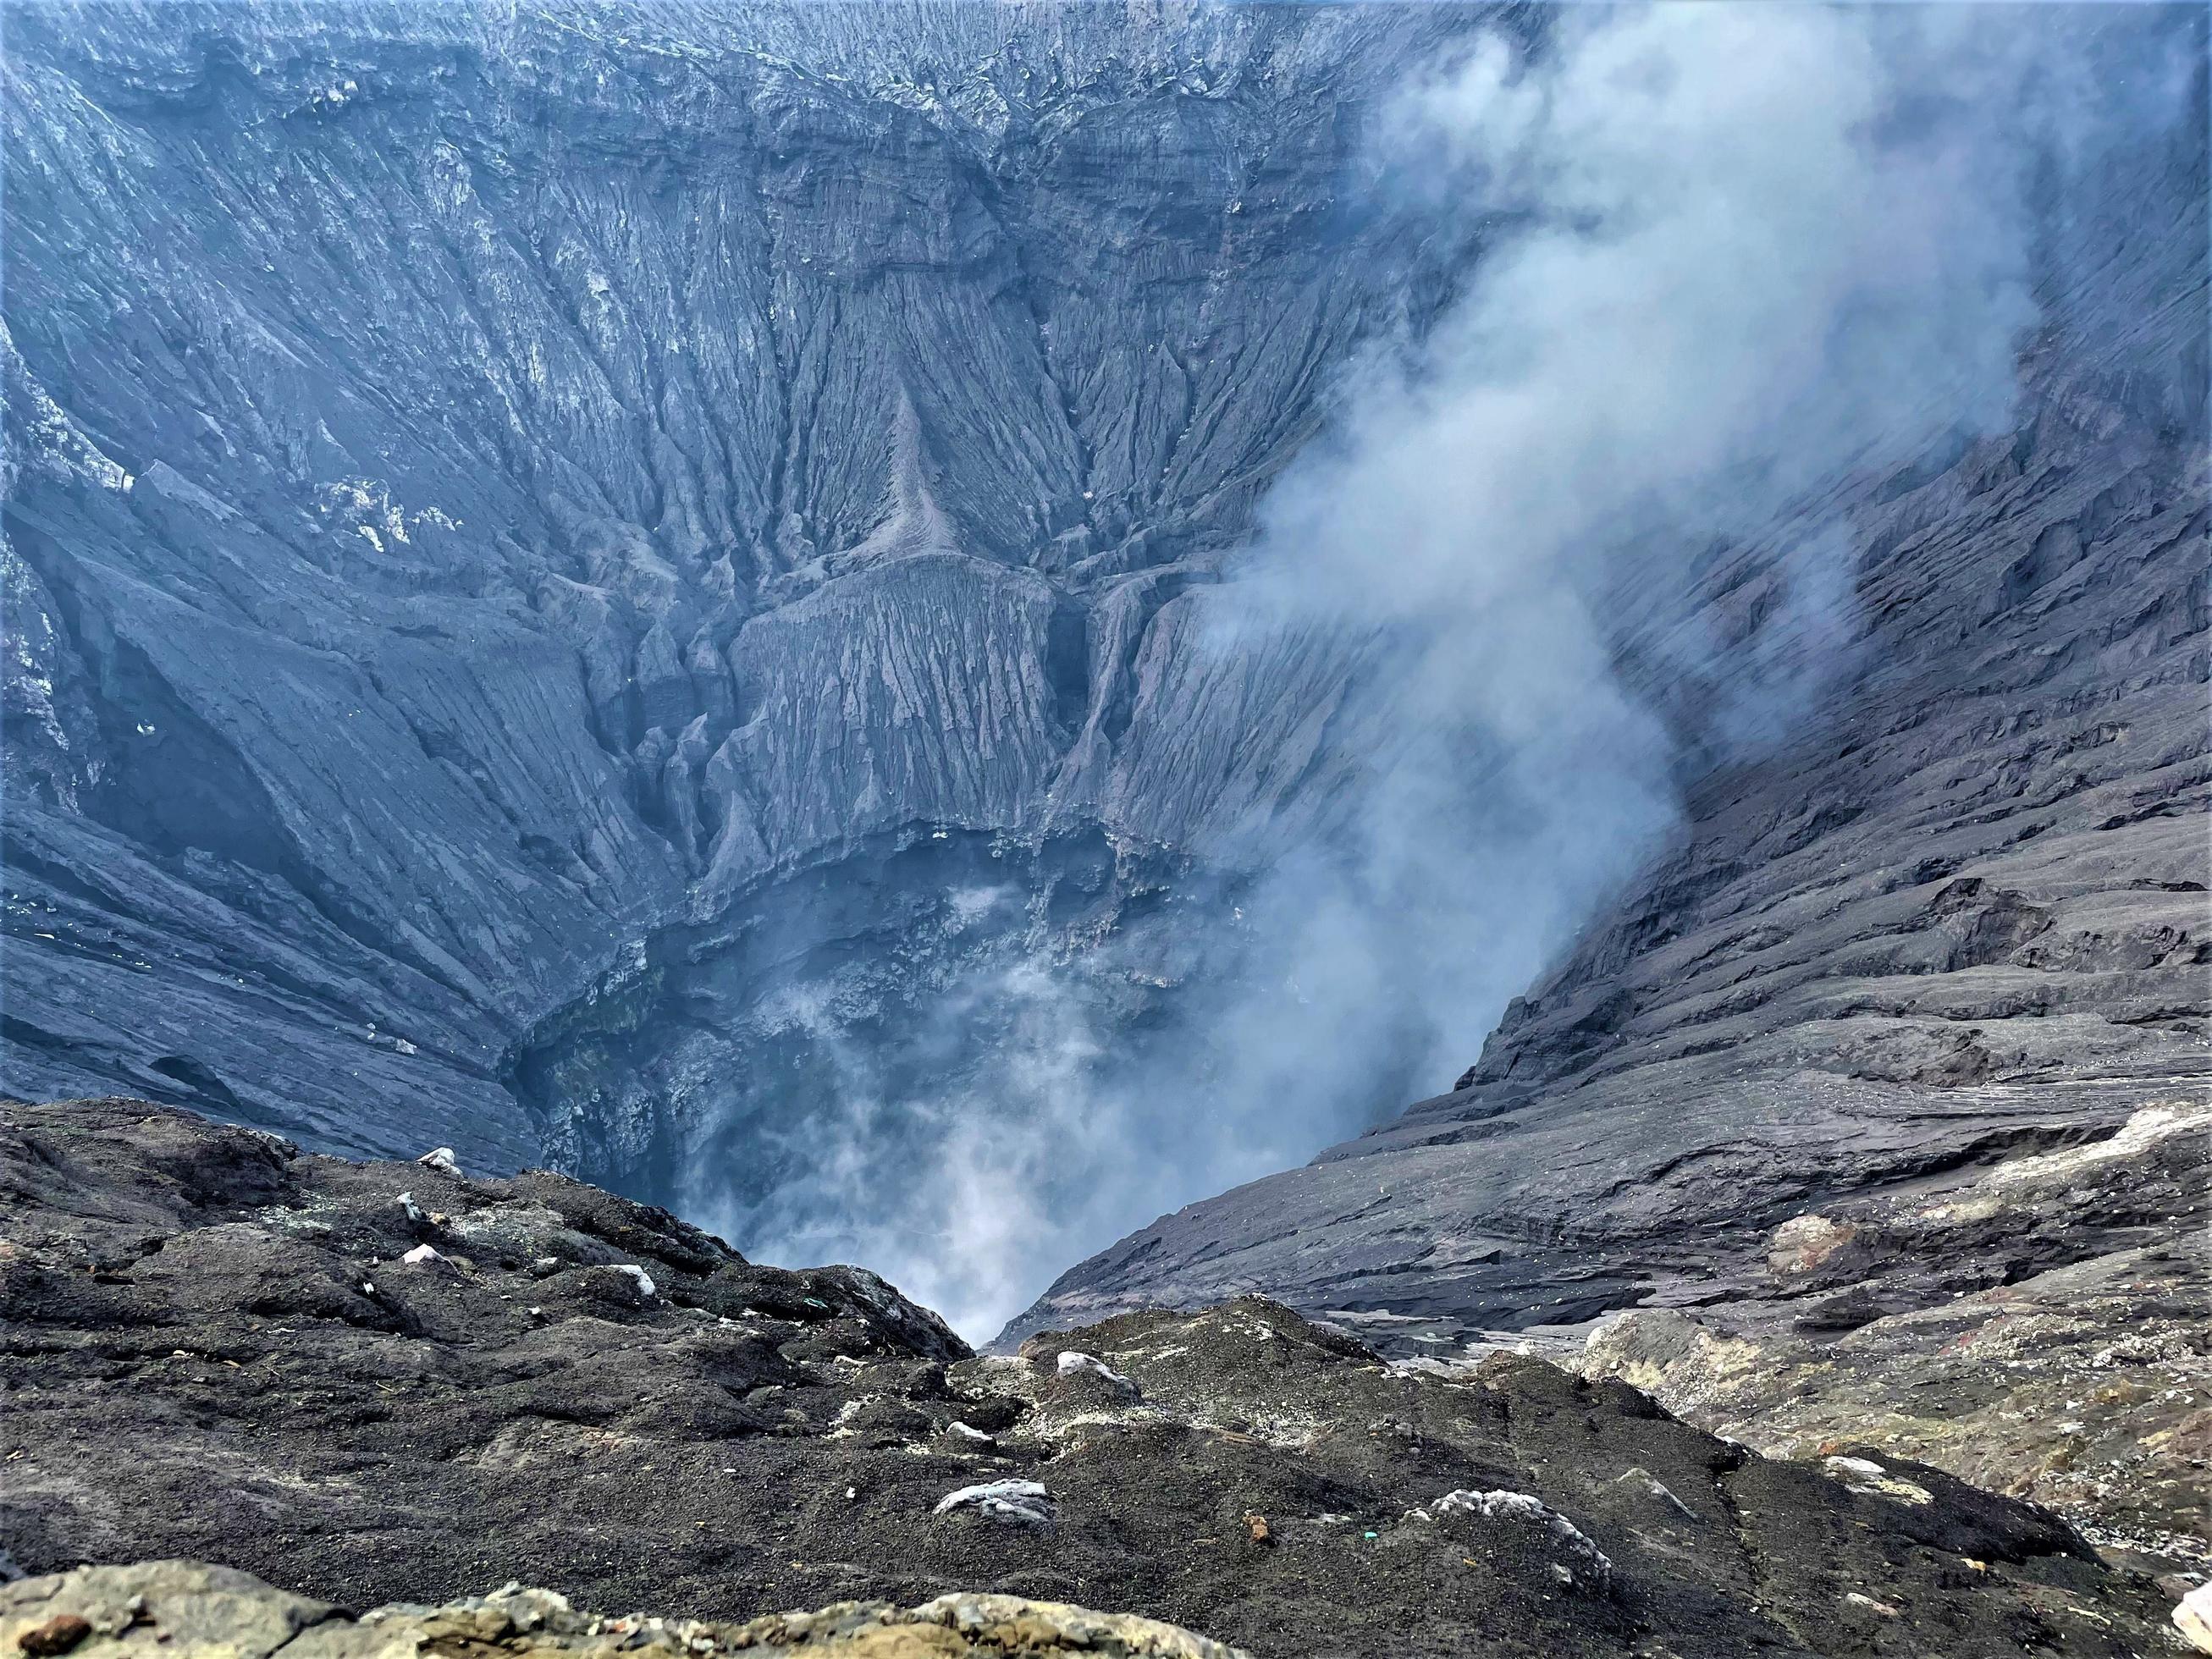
{"x": 1726, "y": 260}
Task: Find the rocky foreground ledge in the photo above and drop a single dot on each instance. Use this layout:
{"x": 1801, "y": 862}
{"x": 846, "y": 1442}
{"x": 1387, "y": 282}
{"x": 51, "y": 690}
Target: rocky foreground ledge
{"x": 175, "y": 1608}
{"x": 393, "y": 1382}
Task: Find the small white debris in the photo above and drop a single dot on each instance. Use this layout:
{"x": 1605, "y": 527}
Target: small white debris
{"x": 442, "y": 1159}
{"x": 1021, "y": 1502}
{"x": 2193, "y": 1618}
{"x": 646, "y": 1287}
{"x": 851, "y": 1493}
{"x": 422, "y": 1254}
{"x": 414, "y": 1211}
{"x": 966, "y": 1431}
{"x": 367, "y": 1289}
{"x": 1520, "y": 1507}
{"x": 1882, "y": 1608}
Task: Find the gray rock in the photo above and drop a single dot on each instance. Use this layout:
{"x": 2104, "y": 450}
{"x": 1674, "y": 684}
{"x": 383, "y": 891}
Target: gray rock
{"x": 1022, "y": 1502}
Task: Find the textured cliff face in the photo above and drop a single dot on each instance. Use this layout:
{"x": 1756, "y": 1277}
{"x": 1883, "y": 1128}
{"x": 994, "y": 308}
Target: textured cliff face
{"x": 640, "y": 585}
{"x": 492, "y": 492}
{"x": 1957, "y": 907}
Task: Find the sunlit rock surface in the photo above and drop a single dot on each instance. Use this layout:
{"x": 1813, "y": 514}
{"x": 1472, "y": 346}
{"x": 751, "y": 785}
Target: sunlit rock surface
{"x": 189, "y": 1607}
{"x": 2033, "y": 1328}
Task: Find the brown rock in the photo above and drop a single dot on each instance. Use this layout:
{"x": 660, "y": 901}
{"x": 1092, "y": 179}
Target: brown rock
{"x": 58, "y": 1635}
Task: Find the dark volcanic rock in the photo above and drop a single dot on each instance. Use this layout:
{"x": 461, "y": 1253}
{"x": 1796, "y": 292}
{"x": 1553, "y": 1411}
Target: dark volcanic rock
{"x": 364, "y": 1382}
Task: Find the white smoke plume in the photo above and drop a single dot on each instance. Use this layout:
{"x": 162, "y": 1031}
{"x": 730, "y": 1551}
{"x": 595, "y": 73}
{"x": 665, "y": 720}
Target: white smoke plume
{"x": 1732, "y": 255}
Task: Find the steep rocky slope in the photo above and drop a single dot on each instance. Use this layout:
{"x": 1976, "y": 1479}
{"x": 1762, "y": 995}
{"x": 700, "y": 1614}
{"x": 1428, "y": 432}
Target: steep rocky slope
{"x": 1958, "y": 908}
{"x": 493, "y": 493}
{"x": 371, "y": 1382}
